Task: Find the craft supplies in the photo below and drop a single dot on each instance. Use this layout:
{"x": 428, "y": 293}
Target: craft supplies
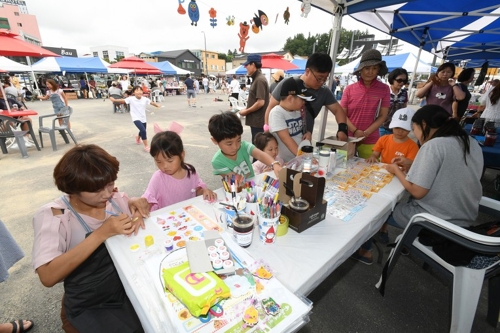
{"x": 149, "y": 241}
{"x": 212, "y": 249}
{"x": 268, "y": 228}
{"x": 218, "y": 242}
{"x": 227, "y": 264}
{"x": 134, "y": 247}
{"x": 221, "y": 249}
{"x": 224, "y": 255}
{"x": 169, "y": 245}
{"x": 217, "y": 264}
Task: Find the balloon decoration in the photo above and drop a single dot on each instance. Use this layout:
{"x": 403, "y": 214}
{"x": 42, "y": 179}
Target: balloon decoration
{"x": 213, "y": 13}
{"x": 194, "y": 12}
{"x": 243, "y": 35}
{"x": 181, "y": 9}
{"x": 259, "y": 21}
{"x": 305, "y": 7}
{"x": 286, "y": 15}
{"x": 230, "y": 20}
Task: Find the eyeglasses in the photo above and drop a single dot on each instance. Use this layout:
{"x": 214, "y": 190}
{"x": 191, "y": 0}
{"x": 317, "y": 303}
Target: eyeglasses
{"x": 401, "y": 81}
{"x": 318, "y": 80}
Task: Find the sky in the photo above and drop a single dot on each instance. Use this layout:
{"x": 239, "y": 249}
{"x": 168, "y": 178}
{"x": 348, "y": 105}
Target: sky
{"x": 155, "y": 25}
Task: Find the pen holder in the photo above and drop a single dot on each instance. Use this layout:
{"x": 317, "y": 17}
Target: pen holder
{"x": 268, "y": 228}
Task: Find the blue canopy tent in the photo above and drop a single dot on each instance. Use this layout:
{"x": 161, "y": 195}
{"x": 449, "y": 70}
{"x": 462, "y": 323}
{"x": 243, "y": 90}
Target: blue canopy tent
{"x": 301, "y": 63}
{"x": 240, "y": 70}
{"x": 167, "y": 68}
{"x": 74, "y": 65}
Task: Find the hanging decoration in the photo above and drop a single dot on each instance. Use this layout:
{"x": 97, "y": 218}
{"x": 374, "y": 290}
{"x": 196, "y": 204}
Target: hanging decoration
{"x": 181, "y": 9}
{"x": 286, "y": 15}
{"x": 305, "y": 7}
{"x": 194, "y": 12}
{"x": 259, "y": 21}
{"x": 230, "y": 20}
{"x": 213, "y": 14}
{"x": 243, "y": 35}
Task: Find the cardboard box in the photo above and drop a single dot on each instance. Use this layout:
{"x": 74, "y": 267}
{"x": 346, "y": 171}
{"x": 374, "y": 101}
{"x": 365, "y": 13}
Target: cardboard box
{"x": 307, "y": 187}
{"x": 349, "y": 146}
{"x": 197, "y": 253}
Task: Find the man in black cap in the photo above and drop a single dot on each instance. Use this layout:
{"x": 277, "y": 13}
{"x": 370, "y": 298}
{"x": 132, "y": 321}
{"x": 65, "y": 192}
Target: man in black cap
{"x": 258, "y": 96}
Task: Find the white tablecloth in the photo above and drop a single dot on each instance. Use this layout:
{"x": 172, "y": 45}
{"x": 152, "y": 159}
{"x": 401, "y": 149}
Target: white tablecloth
{"x": 300, "y": 261}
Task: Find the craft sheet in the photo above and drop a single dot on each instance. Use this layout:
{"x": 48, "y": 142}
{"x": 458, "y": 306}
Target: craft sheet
{"x": 259, "y": 302}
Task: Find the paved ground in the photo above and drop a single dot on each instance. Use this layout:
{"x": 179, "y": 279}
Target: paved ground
{"x": 346, "y": 302}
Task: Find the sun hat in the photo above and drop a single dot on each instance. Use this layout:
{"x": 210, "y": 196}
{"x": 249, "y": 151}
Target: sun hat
{"x": 402, "y": 119}
{"x": 370, "y": 58}
{"x": 295, "y": 87}
{"x": 279, "y": 74}
{"x": 252, "y": 58}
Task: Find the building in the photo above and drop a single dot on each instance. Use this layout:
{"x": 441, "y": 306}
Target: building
{"x": 110, "y": 53}
{"x": 213, "y": 65}
{"x": 14, "y": 17}
{"x": 184, "y": 59}
{"x": 63, "y": 51}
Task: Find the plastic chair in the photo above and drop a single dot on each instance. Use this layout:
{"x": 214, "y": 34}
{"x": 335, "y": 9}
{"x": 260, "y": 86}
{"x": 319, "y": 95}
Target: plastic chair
{"x": 235, "y": 105}
{"x": 62, "y": 128}
{"x": 7, "y": 130}
{"x": 156, "y": 96}
{"x": 466, "y": 283}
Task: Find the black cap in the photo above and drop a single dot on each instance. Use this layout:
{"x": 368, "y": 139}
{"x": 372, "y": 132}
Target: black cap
{"x": 295, "y": 87}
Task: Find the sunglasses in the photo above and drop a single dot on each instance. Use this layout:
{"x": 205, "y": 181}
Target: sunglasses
{"x": 401, "y": 81}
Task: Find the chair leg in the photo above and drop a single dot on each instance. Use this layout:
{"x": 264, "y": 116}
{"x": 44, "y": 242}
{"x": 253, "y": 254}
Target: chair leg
{"x": 33, "y": 136}
{"x": 41, "y": 139}
{"x": 493, "y": 316}
{"x": 3, "y": 145}
{"x": 467, "y": 284}
{"x": 65, "y": 137}
{"x": 72, "y": 136}
{"x": 22, "y": 145}
{"x": 53, "y": 140}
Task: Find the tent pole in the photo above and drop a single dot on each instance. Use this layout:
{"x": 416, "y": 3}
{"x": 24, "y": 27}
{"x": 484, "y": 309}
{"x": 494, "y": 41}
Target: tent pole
{"x": 5, "y": 97}
{"x": 412, "y": 93}
{"x": 337, "y": 22}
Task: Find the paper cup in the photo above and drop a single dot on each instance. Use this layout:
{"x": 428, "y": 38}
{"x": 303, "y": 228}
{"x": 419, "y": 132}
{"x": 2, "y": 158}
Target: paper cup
{"x": 220, "y": 215}
{"x": 252, "y": 208}
{"x": 268, "y": 227}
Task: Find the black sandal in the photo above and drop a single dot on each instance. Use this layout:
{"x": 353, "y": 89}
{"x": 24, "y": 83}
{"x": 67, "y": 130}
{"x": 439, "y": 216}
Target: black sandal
{"x": 21, "y": 326}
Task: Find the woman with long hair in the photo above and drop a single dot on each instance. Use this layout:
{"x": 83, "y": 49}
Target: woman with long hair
{"x": 490, "y": 105}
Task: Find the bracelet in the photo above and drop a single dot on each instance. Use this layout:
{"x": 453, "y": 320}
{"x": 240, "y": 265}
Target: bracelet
{"x": 275, "y": 162}
{"x": 343, "y": 128}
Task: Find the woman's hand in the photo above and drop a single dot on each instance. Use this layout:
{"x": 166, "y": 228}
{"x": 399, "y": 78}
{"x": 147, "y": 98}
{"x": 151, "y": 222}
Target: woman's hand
{"x": 402, "y": 162}
{"x": 392, "y": 168}
{"x": 117, "y": 225}
{"x": 359, "y": 133}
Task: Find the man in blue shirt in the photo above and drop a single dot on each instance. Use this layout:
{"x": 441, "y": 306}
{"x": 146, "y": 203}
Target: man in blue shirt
{"x": 191, "y": 94}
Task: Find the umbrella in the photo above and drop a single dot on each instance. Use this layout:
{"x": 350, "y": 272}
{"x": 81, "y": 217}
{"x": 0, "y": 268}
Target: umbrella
{"x": 12, "y": 46}
{"x": 139, "y": 66}
{"x": 273, "y": 60}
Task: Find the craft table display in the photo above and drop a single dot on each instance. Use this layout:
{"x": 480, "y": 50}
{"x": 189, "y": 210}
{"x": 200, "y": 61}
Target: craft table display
{"x": 259, "y": 302}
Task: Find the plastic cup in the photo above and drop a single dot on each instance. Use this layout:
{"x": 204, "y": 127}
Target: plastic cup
{"x": 243, "y": 229}
{"x": 252, "y": 208}
{"x": 268, "y": 227}
{"x": 220, "y": 215}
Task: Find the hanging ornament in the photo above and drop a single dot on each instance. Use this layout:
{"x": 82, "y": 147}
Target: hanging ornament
{"x": 243, "y": 35}
{"x": 259, "y": 21}
{"x": 194, "y": 12}
{"x": 230, "y": 20}
{"x": 181, "y": 9}
{"x": 286, "y": 15}
{"x": 213, "y": 14}
{"x": 305, "y": 7}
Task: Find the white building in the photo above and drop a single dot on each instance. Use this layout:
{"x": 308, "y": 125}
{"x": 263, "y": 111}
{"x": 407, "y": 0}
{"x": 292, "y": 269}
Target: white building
{"x": 110, "y": 52}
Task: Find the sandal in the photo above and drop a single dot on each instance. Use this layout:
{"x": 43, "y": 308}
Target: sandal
{"x": 147, "y": 149}
{"x": 138, "y": 140}
{"x": 20, "y": 323}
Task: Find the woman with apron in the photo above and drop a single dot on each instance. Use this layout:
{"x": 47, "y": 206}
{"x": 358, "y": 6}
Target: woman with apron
{"x": 69, "y": 242}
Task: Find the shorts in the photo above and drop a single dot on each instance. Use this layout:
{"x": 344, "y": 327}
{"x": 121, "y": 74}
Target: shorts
{"x": 191, "y": 93}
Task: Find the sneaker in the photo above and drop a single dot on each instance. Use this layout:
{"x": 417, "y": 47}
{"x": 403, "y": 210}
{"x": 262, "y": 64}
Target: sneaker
{"x": 27, "y": 142}
{"x": 361, "y": 259}
{"x": 147, "y": 149}
{"x": 138, "y": 140}
{"x": 14, "y": 146}
{"x": 382, "y": 237}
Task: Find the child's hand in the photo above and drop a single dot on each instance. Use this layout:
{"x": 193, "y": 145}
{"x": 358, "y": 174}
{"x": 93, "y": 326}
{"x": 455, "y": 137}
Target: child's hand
{"x": 371, "y": 159}
{"x": 209, "y": 195}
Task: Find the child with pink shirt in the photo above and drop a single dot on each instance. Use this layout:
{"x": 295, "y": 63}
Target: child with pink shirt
{"x": 175, "y": 181}
{"x": 266, "y": 142}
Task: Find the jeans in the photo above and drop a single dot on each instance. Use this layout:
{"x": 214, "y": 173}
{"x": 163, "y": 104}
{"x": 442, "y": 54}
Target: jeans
{"x": 142, "y": 129}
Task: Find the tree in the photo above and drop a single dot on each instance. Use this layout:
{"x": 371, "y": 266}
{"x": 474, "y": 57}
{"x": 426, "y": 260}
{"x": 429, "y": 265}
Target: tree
{"x": 301, "y": 45}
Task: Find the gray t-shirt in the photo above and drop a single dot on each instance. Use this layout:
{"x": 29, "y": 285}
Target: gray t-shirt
{"x": 280, "y": 119}
{"x": 323, "y": 96}
{"x": 454, "y": 187}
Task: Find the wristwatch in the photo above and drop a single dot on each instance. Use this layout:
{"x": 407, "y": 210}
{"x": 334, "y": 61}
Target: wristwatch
{"x": 275, "y": 162}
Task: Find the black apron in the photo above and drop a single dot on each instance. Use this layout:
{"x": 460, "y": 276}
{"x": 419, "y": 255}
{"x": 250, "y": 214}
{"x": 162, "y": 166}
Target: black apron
{"x": 95, "y": 300}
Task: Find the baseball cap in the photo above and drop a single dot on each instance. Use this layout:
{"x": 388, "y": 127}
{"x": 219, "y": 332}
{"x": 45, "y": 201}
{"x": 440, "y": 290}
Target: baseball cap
{"x": 295, "y": 87}
{"x": 253, "y": 58}
{"x": 402, "y": 119}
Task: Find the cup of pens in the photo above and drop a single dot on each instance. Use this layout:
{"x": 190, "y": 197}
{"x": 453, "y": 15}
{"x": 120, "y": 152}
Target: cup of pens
{"x": 268, "y": 218}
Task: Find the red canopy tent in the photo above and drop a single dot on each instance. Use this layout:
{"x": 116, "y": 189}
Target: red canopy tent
{"x": 139, "y": 66}
{"x": 273, "y": 60}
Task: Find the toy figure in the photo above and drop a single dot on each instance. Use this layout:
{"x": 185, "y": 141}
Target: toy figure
{"x": 270, "y": 306}
{"x": 243, "y": 34}
{"x": 305, "y": 8}
{"x": 286, "y": 15}
{"x": 251, "y": 316}
{"x": 230, "y": 20}
{"x": 181, "y": 9}
{"x": 213, "y": 14}
{"x": 194, "y": 12}
{"x": 259, "y": 21}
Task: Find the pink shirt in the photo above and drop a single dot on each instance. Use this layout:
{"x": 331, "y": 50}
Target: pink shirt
{"x": 259, "y": 167}
{"x": 362, "y": 102}
{"x": 164, "y": 190}
{"x": 57, "y": 234}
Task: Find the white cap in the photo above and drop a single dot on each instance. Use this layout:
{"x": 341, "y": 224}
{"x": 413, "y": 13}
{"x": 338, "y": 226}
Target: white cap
{"x": 402, "y": 119}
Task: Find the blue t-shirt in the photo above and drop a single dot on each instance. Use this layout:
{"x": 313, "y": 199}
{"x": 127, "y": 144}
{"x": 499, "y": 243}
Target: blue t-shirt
{"x": 189, "y": 83}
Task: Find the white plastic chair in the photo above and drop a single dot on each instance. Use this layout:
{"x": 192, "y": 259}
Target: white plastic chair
{"x": 156, "y": 96}
{"x": 466, "y": 283}
{"x": 235, "y": 105}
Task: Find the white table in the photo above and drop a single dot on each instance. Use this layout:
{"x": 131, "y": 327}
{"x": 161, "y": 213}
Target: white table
{"x": 300, "y": 261}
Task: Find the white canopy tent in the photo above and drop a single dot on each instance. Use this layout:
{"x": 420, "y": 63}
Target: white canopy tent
{"x": 11, "y": 66}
